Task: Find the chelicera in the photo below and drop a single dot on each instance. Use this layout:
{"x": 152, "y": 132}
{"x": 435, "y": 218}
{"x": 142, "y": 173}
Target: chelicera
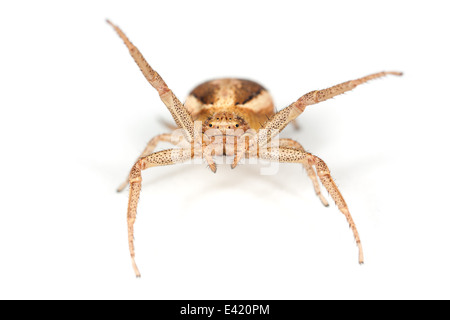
{"x": 232, "y": 117}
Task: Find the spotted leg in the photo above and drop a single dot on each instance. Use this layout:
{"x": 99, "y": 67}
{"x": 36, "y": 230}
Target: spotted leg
{"x": 281, "y": 119}
{"x": 288, "y": 143}
{"x": 179, "y": 113}
{"x": 151, "y": 145}
{"x": 297, "y": 156}
{"x": 161, "y": 158}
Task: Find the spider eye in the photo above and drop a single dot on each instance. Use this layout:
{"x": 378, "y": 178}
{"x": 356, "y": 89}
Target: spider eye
{"x": 237, "y": 125}
{"x": 210, "y": 125}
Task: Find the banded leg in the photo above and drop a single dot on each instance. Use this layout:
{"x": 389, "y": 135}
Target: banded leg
{"x": 151, "y": 145}
{"x": 297, "y": 156}
{"x": 161, "y": 158}
{"x": 179, "y": 112}
{"x": 288, "y": 143}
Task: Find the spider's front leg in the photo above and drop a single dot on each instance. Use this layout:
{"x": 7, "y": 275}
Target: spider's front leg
{"x": 161, "y": 158}
{"x": 282, "y": 118}
{"x": 179, "y": 113}
{"x": 291, "y": 155}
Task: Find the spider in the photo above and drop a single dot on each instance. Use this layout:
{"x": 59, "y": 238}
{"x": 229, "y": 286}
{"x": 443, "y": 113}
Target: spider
{"x": 232, "y": 117}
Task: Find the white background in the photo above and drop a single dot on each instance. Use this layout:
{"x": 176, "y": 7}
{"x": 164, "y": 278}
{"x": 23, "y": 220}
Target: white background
{"x": 76, "y": 112}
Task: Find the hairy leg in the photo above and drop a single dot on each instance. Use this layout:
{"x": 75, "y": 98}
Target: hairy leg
{"x": 161, "y": 158}
{"x": 298, "y": 156}
{"x": 179, "y": 112}
{"x": 151, "y": 145}
{"x": 288, "y": 143}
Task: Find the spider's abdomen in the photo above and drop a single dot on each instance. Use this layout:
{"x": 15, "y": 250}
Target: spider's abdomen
{"x": 244, "y": 98}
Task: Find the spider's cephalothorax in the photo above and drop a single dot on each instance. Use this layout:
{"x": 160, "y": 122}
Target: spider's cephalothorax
{"x": 224, "y": 128}
{"x": 239, "y": 113}
{"x": 222, "y": 103}
{"x": 228, "y": 108}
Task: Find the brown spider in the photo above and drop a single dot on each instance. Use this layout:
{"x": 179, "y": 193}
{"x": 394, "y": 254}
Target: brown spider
{"x": 223, "y": 117}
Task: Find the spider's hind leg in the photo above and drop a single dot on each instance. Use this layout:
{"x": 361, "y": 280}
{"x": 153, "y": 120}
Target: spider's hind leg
{"x": 288, "y": 143}
{"x": 292, "y": 155}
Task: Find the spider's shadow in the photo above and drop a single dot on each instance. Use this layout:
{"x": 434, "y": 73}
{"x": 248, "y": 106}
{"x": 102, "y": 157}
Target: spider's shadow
{"x": 198, "y": 181}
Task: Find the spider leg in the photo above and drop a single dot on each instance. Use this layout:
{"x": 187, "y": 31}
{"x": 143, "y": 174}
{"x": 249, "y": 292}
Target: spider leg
{"x": 279, "y": 121}
{"x": 288, "y": 143}
{"x": 161, "y": 158}
{"x": 282, "y": 118}
{"x": 179, "y": 113}
{"x": 297, "y": 156}
{"x": 151, "y": 145}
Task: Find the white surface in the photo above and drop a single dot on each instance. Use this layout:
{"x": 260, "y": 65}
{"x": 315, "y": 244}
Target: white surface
{"x": 76, "y": 112}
